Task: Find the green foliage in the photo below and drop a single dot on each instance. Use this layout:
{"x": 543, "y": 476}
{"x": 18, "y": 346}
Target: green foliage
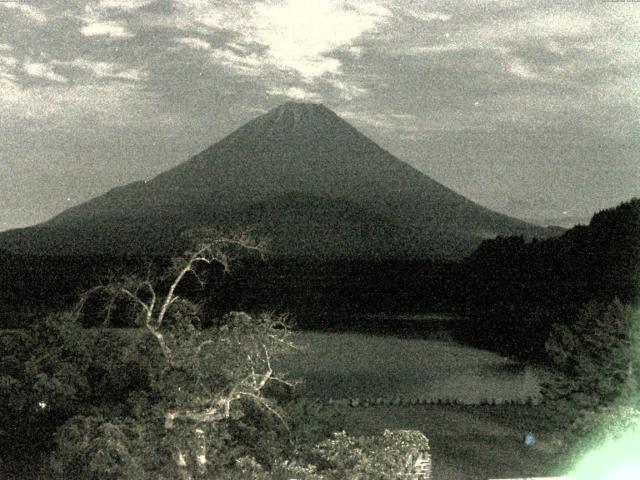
{"x": 379, "y": 457}
{"x": 59, "y": 363}
{"x": 123, "y": 435}
{"x": 57, "y": 370}
{"x": 100, "y": 447}
{"x": 382, "y": 457}
{"x": 44, "y": 381}
{"x": 595, "y": 427}
{"x": 15, "y": 347}
{"x": 595, "y": 362}
{"x": 99, "y": 396}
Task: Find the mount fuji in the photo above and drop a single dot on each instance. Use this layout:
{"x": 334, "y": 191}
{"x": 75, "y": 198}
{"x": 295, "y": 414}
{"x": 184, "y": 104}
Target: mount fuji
{"x": 301, "y": 176}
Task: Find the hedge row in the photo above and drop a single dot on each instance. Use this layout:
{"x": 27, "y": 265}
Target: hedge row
{"x": 398, "y": 401}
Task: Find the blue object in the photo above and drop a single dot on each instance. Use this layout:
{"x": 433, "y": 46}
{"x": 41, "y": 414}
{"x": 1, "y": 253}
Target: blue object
{"x": 529, "y": 439}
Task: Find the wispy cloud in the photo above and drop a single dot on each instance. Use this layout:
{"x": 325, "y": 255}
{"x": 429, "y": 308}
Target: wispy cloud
{"x": 554, "y": 23}
{"x": 64, "y": 102}
{"x": 43, "y": 70}
{"x": 426, "y": 16}
{"x": 195, "y": 43}
{"x": 554, "y": 27}
{"x": 8, "y": 61}
{"x": 520, "y": 69}
{"x": 7, "y": 67}
{"x": 29, "y": 11}
{"x": 124, "y": 4}
{"x": 246, "y": 63}
{"x": 104, "y": 69}
{"x": 397, "y": 122}
{"x": 105, "y": 28}
{"x": 347, "y": 91}
{"x": 295, "y": 93}
{"x": 440, "y": 48}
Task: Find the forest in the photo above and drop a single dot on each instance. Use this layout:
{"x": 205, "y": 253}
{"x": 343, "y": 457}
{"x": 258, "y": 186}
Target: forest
{"x": 162, "y": 367}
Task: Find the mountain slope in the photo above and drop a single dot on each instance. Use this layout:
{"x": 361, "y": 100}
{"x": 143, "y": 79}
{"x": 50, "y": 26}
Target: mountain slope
{"x": 296, "y": 158}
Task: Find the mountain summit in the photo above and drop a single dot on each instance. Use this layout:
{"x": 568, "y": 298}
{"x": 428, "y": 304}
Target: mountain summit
{"x": 292, "y": 116}
{"x": 304, "y": 177}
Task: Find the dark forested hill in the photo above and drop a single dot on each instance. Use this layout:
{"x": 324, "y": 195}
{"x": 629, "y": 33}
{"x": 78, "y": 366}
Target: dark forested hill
{"x": 516, "y": 289}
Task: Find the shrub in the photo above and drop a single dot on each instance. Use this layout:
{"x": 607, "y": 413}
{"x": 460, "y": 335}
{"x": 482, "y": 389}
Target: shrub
{"x": 594, "y": 428}
{"x": 379, "y": 457}
{"x": 382, "y": 457}
{"x": 594, "y": 361}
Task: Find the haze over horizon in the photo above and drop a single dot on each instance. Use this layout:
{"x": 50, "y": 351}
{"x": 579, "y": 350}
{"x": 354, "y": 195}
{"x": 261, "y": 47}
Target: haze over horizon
{"x": 530, "y": 109}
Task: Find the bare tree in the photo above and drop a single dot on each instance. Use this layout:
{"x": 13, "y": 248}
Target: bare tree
{"x": 203, "y": 373}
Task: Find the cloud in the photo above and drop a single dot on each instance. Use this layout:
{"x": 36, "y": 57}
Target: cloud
{"x": 295, "y": 93}
{"x": 300, "y": 34}
{"x": 518, "y": 68}
{"x": 110, "y": 29}
{"x": 442, "y": 48}
{"x": 195, "y": 43}
{"x": 555, "y": 27}
{"x": 426, "y": 16}
{"x": 30, "y": 11}
{"x": 297, "y": 35}
{"x": 7, "y": 67}
{"x": 63, "y": 102}
{"x": 355, "y": 50}
{"x": 403, "y": 116}
{"x": 7, "y": 61}
{"x": 347, "y": 91}
{"x": 125, "y": 4}
{"x": 519, "y": 34}
{"x": 256, "y": 110}
{"x": 396, "y": 122}
{"x": 555, "y": 24}
{"x": 104, "y": 69}
{"x": 245, "y": 63}
{"x": 43, "y": 70}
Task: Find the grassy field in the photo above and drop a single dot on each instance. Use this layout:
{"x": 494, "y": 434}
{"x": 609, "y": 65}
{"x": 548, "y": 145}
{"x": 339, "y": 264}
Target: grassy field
{"x": 353, "y": 365}
{"x": 467, "y": 441}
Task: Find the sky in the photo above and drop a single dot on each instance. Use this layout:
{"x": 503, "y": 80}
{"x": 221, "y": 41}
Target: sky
{"x": 528, "y": 108}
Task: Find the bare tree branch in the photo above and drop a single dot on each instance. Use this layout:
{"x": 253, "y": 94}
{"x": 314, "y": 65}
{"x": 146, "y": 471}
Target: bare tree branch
{"x": 256, "y": 339}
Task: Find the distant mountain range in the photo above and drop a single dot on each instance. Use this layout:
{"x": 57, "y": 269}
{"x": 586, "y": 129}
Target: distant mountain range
{"x": 303, "y": 177}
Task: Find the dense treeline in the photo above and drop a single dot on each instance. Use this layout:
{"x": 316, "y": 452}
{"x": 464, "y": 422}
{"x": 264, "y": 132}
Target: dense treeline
{"x": 316, "y": 293}
{"x": 33, "y": 286}
{"x": 325, "y": 294}
{"x": 516, "y": 290}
